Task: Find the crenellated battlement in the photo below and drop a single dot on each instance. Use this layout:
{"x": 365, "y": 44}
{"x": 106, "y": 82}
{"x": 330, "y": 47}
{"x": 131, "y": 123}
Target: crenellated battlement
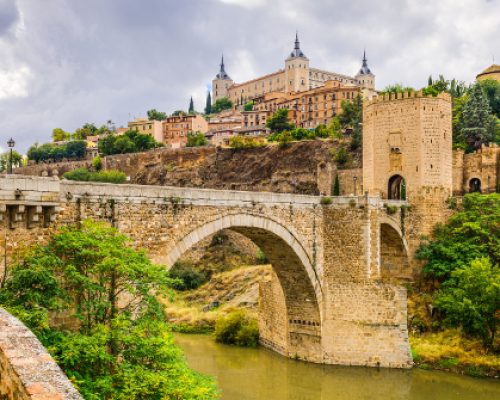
{"x": 388, "y": 97}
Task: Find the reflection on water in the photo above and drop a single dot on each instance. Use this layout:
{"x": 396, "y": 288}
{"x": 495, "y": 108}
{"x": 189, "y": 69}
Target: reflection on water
{"x": 251, "y": 374}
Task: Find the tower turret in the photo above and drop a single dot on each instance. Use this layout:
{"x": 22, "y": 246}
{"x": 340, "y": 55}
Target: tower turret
{"x": 296, "y": 69}
{"x": 365, "y": 77}
{"x": 221, "y": 83}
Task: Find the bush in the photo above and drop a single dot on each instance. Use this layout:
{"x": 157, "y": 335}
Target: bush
{"x": 261, "y": 257}
{"x": 97, "y": 163}
{"x": 187, "y": 278}
{"x": 83, "y": 174}
{"x": 244, "y": 142}
{"x": 130, "y": 142}
{"x": 326, "y": 200}
{"x": 342, "y": 156}
{"x": 237, "y": 328}
{"x": 196, "y": 139}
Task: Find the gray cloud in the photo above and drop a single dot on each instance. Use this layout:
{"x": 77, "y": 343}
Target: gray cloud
{"x": 64, "y": 63}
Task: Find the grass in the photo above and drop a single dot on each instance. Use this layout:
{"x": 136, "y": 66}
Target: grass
{"x": 449, "y": 350}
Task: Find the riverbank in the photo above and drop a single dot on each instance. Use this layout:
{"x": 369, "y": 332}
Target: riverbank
{"x": 196, "y": 311}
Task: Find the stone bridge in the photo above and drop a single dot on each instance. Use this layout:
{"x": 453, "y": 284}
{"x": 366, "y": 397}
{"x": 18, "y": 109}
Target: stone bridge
{"x": 329, "y": 301}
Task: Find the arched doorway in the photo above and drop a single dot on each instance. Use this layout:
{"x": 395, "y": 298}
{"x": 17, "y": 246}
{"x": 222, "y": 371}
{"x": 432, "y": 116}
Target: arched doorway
{"x": 475, "y": 185}
{"x": 396, "y": 189}
{"x": 290, "y": 319}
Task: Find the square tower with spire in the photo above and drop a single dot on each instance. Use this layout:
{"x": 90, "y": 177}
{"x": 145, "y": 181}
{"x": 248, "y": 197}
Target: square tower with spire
{"x": 221, "y": 83}
{"x": 296, "y": 69}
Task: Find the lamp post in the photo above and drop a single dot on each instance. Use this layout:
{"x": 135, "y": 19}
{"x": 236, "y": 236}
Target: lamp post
{"x": 11, "y": 144}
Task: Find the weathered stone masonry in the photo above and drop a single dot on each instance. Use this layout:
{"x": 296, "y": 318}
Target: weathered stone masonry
{"x": 327, "y": 290}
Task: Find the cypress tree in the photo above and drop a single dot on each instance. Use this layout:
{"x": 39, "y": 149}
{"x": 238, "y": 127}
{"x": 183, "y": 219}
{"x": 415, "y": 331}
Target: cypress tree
{"x": 336, "y": 186}
{"x": 478, "y": 125}
{"x": 208, "y": 106}
{"x": 191, "y": 106}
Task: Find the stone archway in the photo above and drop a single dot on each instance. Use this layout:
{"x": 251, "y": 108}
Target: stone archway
{"x": 394, "y": 261}
{"x": 300, "y": 287}
{"x": 475, "y": 185}
{"x": 396, "y": 188}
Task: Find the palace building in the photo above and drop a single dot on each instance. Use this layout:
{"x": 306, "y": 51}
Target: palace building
{"x": 297, "y": 76}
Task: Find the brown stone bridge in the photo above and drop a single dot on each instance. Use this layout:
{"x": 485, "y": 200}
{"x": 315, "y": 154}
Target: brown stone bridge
{"x": 329, "y": 300}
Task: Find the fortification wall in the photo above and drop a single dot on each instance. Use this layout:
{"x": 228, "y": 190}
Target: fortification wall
{"x": 27, "y": 371}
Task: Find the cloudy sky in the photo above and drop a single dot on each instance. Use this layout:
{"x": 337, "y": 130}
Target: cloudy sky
{"x": 67, "y": 62}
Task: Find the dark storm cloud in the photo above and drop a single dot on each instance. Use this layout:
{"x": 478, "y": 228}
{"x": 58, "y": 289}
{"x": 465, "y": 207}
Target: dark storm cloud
{"x": 64, "y": 63}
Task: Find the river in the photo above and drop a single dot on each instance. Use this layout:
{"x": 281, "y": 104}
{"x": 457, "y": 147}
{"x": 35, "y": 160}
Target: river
{"x": 251, "y": 374}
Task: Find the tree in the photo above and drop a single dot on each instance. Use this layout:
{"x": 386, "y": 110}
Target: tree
{"x": 471, "y": 299}
{"x": 248, "y": 106}
{"x": 97, "y": 163}
{"x": 59, "y": 135}
{"x": 398, "y": 88}
{"x": 17, "y": 160}
{"x": 471, "y": 233}
{"x": 121, "y": 349}
{"x": 491, "y": 89}
{"x": 222, "y": 104}
{"x": 87, "y": 129}
{"x": 352, "y": 117}
{"x": 279, "y": 121}
{"x": 478, "y": 123}
{"x": 336, "y": 186}
{"x": 191, "y": 106}
{"x": 178, "y": 112}
{"x": 130, "y": 142}
{"x": 196, "y": 139}
{"x": 208, "y": 105}
{"x": 154, "y": 115}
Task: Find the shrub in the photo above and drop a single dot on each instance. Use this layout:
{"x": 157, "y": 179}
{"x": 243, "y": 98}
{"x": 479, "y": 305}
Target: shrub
{"x": 244, "y": 142}
{"x": 326, "y": 200}
{"x": 187, "y": 277}
{"x": 97, "y": 163}
{"x": 342, "y": 156}
{"x": 237, "y": 328}
{"x": 261, "y": 257}
{"x": 196, "y": 139}
{"x": 336, "y": 186}
{"x": 83, "y": 174}
{"x": 391, "y": 209}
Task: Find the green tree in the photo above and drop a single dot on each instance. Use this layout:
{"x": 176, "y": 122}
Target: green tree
{"x": 398, "y": 88}
{"x": 154, "y": 115}
{"x": 191, "y": 106}
{"x": 178, "y": 112}
{"x": 335, "y": 128}
{"x": 196, "y": 139}
{"x": 279, "y": 121}
{"x": 248, "y": 106}
{"x": 208, "y": 104}
{"x": 59, "y": 135}
{"x": 478, "y": 126}
{"x": 471, "y": 233}
{"x": 17, "y": 160}
{"x": 491, "y": 89}
{"x": 121, "y": 349}
{"x": 222, "y": 104}
{"x": 336, "y": 186}
{"x": 471, "y": 299}
{"x": 130, "y": 142}
{"x": 87, "y": 129}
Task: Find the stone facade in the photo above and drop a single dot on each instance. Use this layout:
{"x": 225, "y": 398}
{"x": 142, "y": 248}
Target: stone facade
{"x": 27, "y": 371}
{"x": 323, "y": 256}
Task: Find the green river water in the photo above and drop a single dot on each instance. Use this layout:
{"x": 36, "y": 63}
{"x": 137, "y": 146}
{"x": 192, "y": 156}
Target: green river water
{"x": 251, "y": 374}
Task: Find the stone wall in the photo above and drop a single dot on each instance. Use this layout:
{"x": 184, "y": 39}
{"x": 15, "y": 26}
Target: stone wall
{"x": 483, "y": 165}
{"x": 27, "y": 371}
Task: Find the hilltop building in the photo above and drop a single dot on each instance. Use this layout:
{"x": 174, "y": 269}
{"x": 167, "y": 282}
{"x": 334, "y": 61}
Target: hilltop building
{"x": 296, "y": 77}
{"x": 177, "y": 127}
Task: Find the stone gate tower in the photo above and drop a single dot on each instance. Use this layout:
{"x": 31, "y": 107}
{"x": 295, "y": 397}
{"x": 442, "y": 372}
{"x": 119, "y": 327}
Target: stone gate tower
{"x": 407, "y": 154}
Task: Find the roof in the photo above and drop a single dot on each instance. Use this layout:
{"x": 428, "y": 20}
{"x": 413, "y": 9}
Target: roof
{"x": 492, "y": 69}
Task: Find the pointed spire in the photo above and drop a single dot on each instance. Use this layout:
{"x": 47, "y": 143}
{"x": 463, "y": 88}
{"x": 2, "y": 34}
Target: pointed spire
{"x": 364, "y": 67}
{"x": 222, "y": 72}
{"x": 296, "y": 50}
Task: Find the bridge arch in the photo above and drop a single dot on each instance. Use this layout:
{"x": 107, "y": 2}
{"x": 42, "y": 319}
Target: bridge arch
{"x": 394, "y": 260}
{"x": 301, "y": 288}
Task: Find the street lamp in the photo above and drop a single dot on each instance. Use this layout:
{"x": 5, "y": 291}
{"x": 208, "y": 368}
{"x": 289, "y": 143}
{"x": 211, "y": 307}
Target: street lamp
{"x": 11, "y": 144}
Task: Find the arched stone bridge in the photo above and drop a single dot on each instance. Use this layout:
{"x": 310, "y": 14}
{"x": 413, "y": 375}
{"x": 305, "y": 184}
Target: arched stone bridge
{"x": 327, "y": 301}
